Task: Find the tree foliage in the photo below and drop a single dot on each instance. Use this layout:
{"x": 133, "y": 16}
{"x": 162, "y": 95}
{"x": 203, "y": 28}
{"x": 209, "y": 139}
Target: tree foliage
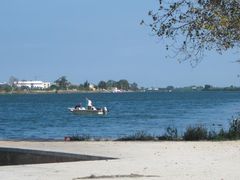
{"x": 123, "y": 84}
{"x": 62, "y": 82}
{"x": 11, "y": 80}
{"x": 102, "y": 85}
{"x": 86, "y": 85}
{"x": 111, "y": 84}
{"x": 5, "y": 88}
{"x": 194, "y": 26}
{"x": 133, "y": 86}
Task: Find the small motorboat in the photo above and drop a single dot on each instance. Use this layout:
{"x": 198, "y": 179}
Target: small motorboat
{"x": 92, "y": 111}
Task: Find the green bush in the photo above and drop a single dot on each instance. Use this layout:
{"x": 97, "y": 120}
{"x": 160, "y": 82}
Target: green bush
{"x": 234, "y": 129}
{"x": 192, "y": 133}
{"x": 77, "y": 137}
{"x": 171, "y": 134}
{"x": 195, "y": 133}
{"x": 138, "y": 136}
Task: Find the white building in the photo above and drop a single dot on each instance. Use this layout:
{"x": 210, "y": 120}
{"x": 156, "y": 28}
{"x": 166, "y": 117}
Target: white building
{"x": 3, "y": 83}
{"x": 33, "y": 84}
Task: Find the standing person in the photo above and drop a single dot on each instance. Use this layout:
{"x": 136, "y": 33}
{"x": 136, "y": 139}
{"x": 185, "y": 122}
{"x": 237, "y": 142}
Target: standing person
{"x": 89, "y": 104}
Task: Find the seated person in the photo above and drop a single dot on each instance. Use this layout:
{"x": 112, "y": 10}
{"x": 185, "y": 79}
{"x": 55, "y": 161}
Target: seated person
{"x": 78, "y": 106}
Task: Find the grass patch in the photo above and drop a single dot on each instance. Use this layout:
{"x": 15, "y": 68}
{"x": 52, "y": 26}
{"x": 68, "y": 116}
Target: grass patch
{"x": 77, "y": 137}
{"x": 171, "y": 134}
{"x": 201, "y": 133}
{"x": 196, "y": 133}
{"x": 192, "y": 133}
{"x": 138, "y": 136}
{"x": 234, "y": 129}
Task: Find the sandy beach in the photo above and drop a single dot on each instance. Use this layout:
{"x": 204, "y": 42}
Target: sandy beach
{"x": 135, "y": 160}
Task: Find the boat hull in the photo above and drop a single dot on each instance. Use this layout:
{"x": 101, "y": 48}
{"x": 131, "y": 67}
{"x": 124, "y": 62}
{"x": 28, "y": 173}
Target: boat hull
{"x": 87, "y": 112}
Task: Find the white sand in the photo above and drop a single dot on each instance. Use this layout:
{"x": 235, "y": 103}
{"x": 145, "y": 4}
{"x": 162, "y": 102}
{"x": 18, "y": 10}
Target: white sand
{"x": 151, "y": 160}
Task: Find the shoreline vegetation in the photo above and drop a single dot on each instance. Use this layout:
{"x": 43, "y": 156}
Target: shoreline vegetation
{"x": 79, "y": 92}
{"x": 7, "y": 90}
{"x": 63, "y": 86}
{"x": 192, "y": 133}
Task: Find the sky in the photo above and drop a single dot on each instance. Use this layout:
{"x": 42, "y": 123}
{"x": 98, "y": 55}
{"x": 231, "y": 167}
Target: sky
{"x": 97, "y": 40}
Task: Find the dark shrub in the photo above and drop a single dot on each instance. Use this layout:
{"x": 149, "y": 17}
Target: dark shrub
{"x": 195, "y": 133}
{"x": 234, "y": 129}
{"x": 222, "y": 135}
{"x": 77, "y": 137}
{"x": 212, "y": 135}
{"x": 138, "y": 136}
{"x": 171, "y": 134}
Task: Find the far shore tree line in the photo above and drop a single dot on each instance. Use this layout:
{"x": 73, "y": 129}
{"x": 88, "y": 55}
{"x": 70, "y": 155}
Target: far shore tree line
{"x": 123, "y": 85}
{"x": 63, "y": 84}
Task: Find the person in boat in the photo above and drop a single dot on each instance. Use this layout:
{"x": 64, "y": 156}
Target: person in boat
{"x": 89, "y": 104}
{"x": 78, "y": 106}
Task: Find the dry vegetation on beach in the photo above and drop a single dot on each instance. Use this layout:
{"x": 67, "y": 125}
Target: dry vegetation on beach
{"x": 192, "y": 133}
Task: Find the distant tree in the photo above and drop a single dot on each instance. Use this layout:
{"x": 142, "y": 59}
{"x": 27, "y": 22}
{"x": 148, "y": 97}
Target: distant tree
{"x": 193, "y": 26}
{"x": 5, "y": 88}
{"x": 133, "y": 86}
{"x": 86, "y": 85}
{"x": 53, "y": 87}
{"x": 24, "y": 88}
{"x": 111, "y": 84}
{"x": 170, "y": 88}
{"x": 62, "y": 82}
{"x": 102, "y": 85}
{"x": 11, "y": 80}
{"x": 207, "y": 87}
{"x": 81, "y": 87}
{"x": 123, "y": 84}
{"x": 73, "y": 87}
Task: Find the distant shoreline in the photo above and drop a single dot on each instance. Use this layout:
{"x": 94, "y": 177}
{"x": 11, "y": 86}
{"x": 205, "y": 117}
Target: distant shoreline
{"x": 99, "y": 91}
{"x": 60, "y": 92}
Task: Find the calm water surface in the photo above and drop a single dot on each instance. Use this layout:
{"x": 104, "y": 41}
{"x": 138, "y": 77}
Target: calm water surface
{"x": 46, "y": 116}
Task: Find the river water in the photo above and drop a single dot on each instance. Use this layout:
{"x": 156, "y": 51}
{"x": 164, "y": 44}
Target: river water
{"x": 45, "y": 116}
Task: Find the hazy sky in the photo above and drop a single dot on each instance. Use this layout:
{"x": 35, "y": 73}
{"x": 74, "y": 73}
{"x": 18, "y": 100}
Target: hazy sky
{"x": 96, "y": 40}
